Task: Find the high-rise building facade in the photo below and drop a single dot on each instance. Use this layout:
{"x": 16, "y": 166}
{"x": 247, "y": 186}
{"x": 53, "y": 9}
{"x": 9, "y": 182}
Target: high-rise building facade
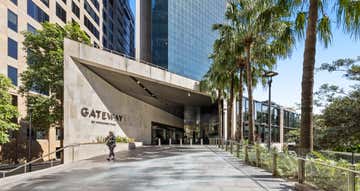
{"x": 181, "y": 34}
{"x": 108, "y": 23}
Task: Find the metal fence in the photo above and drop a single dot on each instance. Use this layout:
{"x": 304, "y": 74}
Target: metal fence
{"x": 324, "y": 174}
{"x": 36, "y": 165}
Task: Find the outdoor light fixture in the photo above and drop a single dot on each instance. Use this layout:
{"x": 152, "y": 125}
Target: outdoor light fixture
{"x": 269, "y": 75}
{"x": 189, "y": 94}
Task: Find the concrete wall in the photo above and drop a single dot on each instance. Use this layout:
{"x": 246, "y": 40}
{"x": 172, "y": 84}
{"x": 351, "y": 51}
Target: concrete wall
{"x": 83, "y": 88}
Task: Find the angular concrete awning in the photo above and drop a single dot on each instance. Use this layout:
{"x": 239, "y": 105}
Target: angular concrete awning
{"x": 150, "y": 84}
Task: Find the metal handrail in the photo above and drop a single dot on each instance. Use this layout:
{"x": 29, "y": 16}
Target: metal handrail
{"x": 304, "y": 159}
{"x": 131, "y": 57}
{"x": 328, "y": 165}
{"x": 35, "y": 160}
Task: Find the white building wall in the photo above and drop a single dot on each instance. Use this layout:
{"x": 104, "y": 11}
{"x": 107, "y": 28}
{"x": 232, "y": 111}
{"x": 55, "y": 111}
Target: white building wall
{"x": 83, "y": 88}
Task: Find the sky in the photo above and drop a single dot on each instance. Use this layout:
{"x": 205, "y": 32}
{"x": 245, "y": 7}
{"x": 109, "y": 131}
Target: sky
{"x": 286, "y": 87}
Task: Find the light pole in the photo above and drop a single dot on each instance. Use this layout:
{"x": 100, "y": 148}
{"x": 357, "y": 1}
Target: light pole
{"x": 269, "y": 75}
{"x": 30, "y": 136}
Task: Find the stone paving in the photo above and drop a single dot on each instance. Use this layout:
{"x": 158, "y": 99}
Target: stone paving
{"x": 156, "y": 168}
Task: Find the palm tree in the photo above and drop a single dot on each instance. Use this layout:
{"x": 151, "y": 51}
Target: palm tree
{"x": 213, "y": 83}
{"x": 307, "y": 17}
{"x": 224, "y": 52}
{"x": 263, "y": 34}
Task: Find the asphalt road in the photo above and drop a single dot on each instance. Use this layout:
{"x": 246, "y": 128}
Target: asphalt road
{"x": 156, "y": 168}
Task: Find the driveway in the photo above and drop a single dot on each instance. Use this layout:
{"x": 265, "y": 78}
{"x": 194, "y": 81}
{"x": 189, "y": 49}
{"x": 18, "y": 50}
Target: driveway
{"x": 163, "y": 168}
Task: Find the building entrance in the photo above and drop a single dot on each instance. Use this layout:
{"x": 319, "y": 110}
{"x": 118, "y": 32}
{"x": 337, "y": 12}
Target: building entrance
{"x": 164, "y": 133}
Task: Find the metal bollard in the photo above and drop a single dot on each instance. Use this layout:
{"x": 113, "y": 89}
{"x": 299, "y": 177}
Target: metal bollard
{"x": 201, "y": 142}
{"x": 73, "y": 154}
{"x": 3, "y": 174}
{"x": 274, "y": 167}
{"x": 231, "y": 147}
{"x": 226, "y": 146}
{"x": 51, "y": 162}
{"x": 238, "y": 150}
{"x": 170, "y": 142}
{"x": 159, "y": 142}
{"x": 301, "y": 167}
{"x": 191, "y": 142}
{"x": 258, "y": 159}
{"x": 25, "y": 168}
{"x": 246, "y": 154}
{"x": 352, "y": 182}
{"x": 180, "y": 142}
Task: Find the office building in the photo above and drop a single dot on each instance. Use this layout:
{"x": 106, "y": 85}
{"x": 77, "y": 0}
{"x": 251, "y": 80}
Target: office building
{"x": 109, "y": 24}
{"x": 177, "y": 35}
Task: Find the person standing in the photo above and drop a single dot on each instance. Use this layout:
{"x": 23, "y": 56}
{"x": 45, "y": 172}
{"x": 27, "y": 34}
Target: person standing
{"x": 110, "y": 141}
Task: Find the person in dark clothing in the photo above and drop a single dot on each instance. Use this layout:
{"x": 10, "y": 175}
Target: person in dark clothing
{"x": 111, "y": 143}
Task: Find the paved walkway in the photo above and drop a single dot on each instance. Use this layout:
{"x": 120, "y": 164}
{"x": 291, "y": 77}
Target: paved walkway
{"x": 156, "y": 168}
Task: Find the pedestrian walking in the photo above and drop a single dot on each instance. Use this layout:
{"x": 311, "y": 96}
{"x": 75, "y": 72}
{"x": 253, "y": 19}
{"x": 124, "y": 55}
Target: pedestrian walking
{"x": 111, "y": 143}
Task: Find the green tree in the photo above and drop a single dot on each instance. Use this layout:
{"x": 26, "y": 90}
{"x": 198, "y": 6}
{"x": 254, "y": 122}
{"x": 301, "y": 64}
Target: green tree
{"x": 347, "y": 16}
{"x": 342, "y": 119}
{"x": 263, "y": 33}
{"x": 8, "y": 112}
{"x": 338, "y": 127}
{"x": 44, "y": 74}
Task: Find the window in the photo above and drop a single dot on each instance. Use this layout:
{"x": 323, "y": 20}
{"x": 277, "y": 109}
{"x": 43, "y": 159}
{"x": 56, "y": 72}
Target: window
{"x": 91, "y": 27}
{"x": 75, "y": 9}
{"x": 61, "y": 13}
{"x": 12, "y": 21}
{"x": 13, "y": 75}
{"x": 14, "y": 1}
{"x": 31, "y": 29}
{"x": 96, "y": 4}
{"x": 104, "y": 42}
{"x": 104, "y": 29}
{"x": 41, "y": 134}
{"x": 14, "y": 100}
{"x": 46, "y": 2}
{"x": 91, "y": 12}
{"x": 36, "y": 13}
{"x": 64, "y": 1}
{"x": 12, "y": 48}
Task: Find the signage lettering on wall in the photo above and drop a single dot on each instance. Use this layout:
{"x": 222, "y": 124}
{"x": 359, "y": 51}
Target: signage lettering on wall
{"x": 98, "y": 114}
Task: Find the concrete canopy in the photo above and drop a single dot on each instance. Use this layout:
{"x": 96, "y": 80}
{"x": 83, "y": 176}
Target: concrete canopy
{"x": 150, "y": 84}
{"x": 162, "y": 95}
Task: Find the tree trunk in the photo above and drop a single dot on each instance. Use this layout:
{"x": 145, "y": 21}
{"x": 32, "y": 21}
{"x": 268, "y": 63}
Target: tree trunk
{"x": 220, "y": 113}
{"x": 250, "y": 97}
{"x": 230, "y": 107}
{"x": 306, "y": 133}
{"x": 240, "y": 132}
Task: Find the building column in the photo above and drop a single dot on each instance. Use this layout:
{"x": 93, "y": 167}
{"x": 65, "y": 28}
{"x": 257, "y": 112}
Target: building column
{"x": 225, "y": 119}
{"x": 143, "y": 30}
{"x": 281, "y": 121}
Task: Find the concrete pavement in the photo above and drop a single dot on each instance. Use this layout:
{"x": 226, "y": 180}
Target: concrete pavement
{"x": 156, "y": 168}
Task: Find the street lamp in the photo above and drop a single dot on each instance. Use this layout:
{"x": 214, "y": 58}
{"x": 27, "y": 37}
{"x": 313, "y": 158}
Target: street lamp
{"x": 30, "y": 136}
{"x": 269, "y": 75}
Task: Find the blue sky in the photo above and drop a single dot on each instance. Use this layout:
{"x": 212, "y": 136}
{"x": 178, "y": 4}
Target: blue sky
{"x": 286, "y": 88}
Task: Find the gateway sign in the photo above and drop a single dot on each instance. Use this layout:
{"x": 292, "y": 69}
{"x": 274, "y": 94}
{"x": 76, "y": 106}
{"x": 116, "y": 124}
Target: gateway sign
{"x": 100, "y": 115}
